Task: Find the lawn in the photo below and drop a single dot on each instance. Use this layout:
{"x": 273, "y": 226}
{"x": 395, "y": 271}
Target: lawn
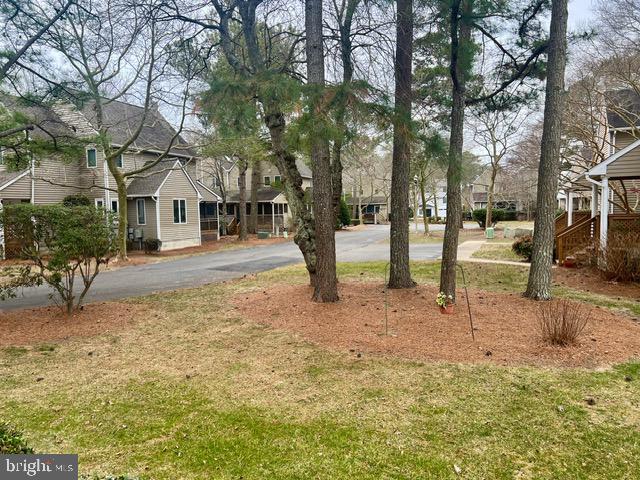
{"x": 497, "y": 251}
{"x": 192, "y": 390}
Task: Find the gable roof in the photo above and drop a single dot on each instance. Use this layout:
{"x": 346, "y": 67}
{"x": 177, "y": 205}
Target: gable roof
{"x": 47, "y": 123}
{"x": 8, "y": 178}
{"x": 304, "y": 170}
{"x": 601, "y": 168}
{"x": 149, "y": 182}
{"x": 369, "y": 200}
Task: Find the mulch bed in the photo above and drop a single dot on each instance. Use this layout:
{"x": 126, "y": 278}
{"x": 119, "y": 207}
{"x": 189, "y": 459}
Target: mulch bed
{"x": 590, "y": 280}
{"x": 506, "y": 326}
{"x": 49, "y": 324}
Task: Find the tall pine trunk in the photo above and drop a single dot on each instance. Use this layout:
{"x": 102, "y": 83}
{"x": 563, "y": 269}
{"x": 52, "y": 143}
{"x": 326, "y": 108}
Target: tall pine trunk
{"x": 256, "y": 173}
{"x": 326, "y": 286}
{"x": 460, "y": 39}
{"x": 400, "y": 274}
{"x": 242, "y": 181}
{"x": 539, "y": 284}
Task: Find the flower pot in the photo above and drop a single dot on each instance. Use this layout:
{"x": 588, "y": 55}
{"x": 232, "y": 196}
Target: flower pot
{"x": 448, "y": 310}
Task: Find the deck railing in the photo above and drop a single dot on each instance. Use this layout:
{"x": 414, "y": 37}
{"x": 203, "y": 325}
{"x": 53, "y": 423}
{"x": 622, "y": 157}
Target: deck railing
{"x": 577, "y": 236}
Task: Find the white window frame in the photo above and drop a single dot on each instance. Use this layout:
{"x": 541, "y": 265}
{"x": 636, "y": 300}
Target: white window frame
{"x": 117, "y": 206}
{"x": 87, "y": 157}
{"x": 267, "y": 181}
{"x": 144, "y": 211}
{"x": 179, "y": 211}
{"x": 99, "y": 202}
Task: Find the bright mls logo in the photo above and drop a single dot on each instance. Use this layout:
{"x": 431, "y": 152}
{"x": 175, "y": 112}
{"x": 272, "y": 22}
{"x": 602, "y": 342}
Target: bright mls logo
{"x": 49, "y": 467}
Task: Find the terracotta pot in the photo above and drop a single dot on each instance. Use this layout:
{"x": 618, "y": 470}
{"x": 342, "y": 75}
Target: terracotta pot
{"x": 448, "y": 310}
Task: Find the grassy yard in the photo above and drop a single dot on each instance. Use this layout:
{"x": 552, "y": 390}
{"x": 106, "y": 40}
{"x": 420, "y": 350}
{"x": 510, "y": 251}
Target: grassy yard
{"x": 193, "y": 391}
{"x": 497, "y": 251}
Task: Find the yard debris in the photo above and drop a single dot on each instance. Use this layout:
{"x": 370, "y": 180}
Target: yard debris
{"x": 590, "y": 401}
{"x": 457, "y": 469}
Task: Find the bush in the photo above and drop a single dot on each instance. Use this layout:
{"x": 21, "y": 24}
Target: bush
{"x": 152, "y": 245}
{"x": 77, "y": 200}
{"x": 62, "y": 243}
{"x": 480, "y": 215}
{"x": 344, "y": 217}
{"x": 523, "y": 247}
{"x": 620, "y": 260}
{"x": 11, "y": 441}
{"x": 561, "y": 322}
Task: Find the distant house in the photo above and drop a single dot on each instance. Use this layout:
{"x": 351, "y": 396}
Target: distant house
{"x": 273, "y": 209}
{"x": 164, "y": 202}
{"x": 436, "y": 206}
{"x": 374, "y": 209}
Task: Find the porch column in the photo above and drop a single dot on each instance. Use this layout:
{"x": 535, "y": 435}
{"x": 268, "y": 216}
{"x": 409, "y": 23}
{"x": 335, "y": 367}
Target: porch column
{"x": 218, "y": 220}
{"x": 604, "y": 212}
{"x": 569, "y": 207}
{"x": 594, "y": 200}
{"x": 273, "y": 219}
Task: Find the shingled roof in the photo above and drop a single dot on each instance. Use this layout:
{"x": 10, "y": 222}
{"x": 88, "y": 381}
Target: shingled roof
{"x": 266, "y": 194}
{"x": 48, "y": 125}
{"x": 623, "y": 108}
{"x": 121, "y": 119}
{"x": 148, "y": 182}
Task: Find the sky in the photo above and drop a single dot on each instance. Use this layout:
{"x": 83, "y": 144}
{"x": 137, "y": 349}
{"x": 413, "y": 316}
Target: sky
{"x": 580, "y": 11}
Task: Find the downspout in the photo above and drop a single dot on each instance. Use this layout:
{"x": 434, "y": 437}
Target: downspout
{"x": 156, "y": 199}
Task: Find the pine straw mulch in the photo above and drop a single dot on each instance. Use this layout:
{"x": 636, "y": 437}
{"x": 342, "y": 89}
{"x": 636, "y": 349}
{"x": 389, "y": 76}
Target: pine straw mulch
{"x": 506, "y": 326}
{"x": 49, "y": 324}
{"x": 590, "y": 280}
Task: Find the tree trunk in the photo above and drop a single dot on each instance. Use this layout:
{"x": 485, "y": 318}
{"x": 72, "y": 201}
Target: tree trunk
{"x": 121, "y": 185}
{"x": 461, "y": 35}
{"x": 242, "y": 184}
{"x": 223, "y": 217}
{"x": 492, "y": 182}
{"x": 292, "y": 183}
{"x": 423, "y": 199}
{"x": 326, "y": 286}
{"x": 256, "y": 173}
{"x": 400, "y": 274}
{"x": 539, "y": 284}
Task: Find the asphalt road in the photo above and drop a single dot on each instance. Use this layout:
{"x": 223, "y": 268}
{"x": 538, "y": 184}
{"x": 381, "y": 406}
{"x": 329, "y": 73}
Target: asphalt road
{"x": 351, "y": 246}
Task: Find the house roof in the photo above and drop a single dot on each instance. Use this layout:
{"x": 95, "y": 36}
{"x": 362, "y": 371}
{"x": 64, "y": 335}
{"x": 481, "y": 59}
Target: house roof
{"x": 148, "y": 182}
{"x": 121, "y": 119}
{"x": 265, "y": 194}
{"x": 7, "y": 178}
{"x": 207, "y": 194}
{"x": 624, "y": 108}
{"x": 304, "y": 170}
{"x": 480, "y": 196}
{"x": 601, "y": 168}
{"x": 47, "y": 123}
{"x": 370, "y": 200}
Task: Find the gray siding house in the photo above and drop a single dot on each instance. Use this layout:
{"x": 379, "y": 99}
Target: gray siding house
{"x": 164, "y": 202}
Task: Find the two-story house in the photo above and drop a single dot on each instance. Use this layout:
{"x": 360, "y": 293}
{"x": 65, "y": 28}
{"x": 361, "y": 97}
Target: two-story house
{"x": 164, "y": 201}
{"x": 273, "y": 214}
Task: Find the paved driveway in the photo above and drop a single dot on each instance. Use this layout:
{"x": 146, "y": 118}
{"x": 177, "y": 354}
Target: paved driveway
{"x": 351, "y": 246}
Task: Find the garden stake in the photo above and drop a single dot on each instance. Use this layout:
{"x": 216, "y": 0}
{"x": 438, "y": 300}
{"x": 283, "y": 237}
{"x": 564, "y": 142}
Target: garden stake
{"x": 466, "y": 293}
{"x": 386, "y": 303}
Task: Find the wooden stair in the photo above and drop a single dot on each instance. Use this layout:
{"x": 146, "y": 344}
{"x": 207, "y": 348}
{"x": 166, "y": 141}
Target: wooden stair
{"x": 577, "y": 237}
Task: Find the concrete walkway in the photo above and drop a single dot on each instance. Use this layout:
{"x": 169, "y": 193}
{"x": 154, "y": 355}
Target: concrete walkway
{"x": 468, "y": 248}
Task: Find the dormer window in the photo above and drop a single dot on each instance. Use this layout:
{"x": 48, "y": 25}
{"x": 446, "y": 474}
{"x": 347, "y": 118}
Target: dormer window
{"x": 92, "y": 158}
{"x": 120, "y": 160}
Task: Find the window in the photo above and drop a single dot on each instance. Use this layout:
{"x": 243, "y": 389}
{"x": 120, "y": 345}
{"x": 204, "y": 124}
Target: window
{"x": 142, "y": 216}
{"x": 267, "y": 181}
{"x": 179, "y": 210}
{"x": 120, "y": 161}
{"x": 92, "y": 158}
{"x": 99, "y": 202}
{"x": 114, "y": 206}
{"x": 238, "y": 182}
{"x": 276, "y": 179}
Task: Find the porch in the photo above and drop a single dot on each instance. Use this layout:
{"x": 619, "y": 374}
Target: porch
{"x": 614, "y": 188}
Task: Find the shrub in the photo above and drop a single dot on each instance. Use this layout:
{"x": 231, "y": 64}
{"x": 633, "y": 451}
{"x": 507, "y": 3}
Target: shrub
{"x": 77, "y": 200}
{"x": 62, "y": 243}
{"x": 561, "y": 322}
{"x": 11, "y": 441}
{"x": 344, "y": 217}
{"x": 523, "y": 247}
{"x": 480, "y": 215}
{"x": 620, "y": 260}
{"x": 152, "y": 245}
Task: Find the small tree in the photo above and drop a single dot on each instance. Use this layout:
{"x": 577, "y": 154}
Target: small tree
{"x": 61, "y": 243}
